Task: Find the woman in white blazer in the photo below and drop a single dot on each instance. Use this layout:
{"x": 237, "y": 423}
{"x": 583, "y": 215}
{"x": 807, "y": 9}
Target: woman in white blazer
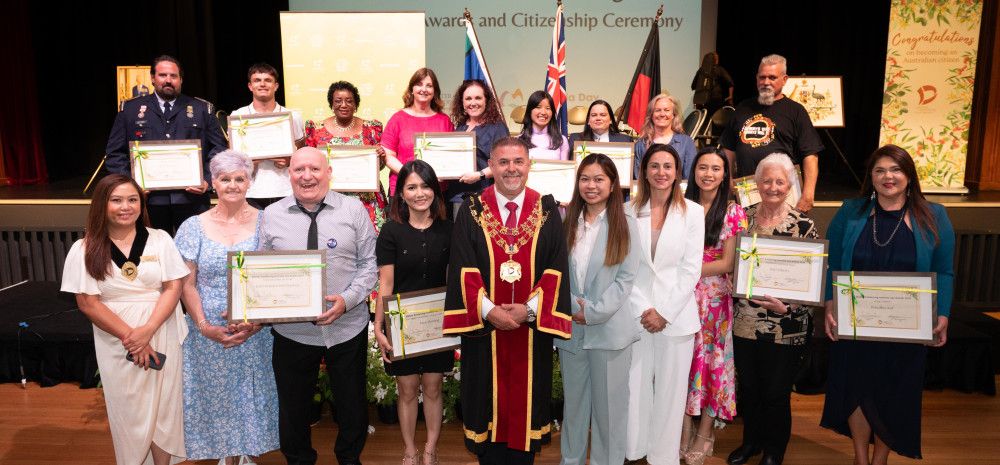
{"x": 604, "y": 256}
{"x": 671, "y": 231}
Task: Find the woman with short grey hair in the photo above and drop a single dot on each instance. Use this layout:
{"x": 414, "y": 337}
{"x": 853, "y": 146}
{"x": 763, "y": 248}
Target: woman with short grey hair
{"x": 770, "y": 336}
{"x": 223, "y": 361}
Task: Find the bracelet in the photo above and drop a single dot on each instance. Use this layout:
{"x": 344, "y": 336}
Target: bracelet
{"x": 201, "y": 324}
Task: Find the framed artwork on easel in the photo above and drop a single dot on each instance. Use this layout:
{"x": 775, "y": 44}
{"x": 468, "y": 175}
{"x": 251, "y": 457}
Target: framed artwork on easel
{"x": 823, "y": 97}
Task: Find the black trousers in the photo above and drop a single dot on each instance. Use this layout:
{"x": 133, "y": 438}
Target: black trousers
{"x": 170, "y": 217}
{"x": 497, "y": 453}
{"x": 296, "y": 368}
{"x": 765, "y": 372}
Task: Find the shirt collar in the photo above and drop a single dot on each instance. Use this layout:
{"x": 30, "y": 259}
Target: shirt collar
{"x": 519, "y": 199}
{"x": 332, "y": 200}
{"x": 277, "y": 108}
{"x": 600, "y": 217}
{"x": 161, "y": 101}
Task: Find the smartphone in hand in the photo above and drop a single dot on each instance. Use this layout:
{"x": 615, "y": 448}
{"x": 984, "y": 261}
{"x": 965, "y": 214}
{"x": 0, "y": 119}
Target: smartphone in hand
{"x": 152, "y": 361}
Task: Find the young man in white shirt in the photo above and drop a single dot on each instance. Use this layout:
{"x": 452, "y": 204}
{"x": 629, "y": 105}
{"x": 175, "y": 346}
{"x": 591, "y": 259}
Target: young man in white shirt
{"x": 271, "y": 176}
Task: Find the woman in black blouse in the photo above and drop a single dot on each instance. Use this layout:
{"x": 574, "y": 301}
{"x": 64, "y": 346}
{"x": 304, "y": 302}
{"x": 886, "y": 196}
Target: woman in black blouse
{"x": 412, "y": 253}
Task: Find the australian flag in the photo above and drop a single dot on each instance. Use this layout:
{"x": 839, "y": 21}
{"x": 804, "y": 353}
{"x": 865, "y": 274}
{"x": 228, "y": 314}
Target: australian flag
{"x": 555, "y": 78}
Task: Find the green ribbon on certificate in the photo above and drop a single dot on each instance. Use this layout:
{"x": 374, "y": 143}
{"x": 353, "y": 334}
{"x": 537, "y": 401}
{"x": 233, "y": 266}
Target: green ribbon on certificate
{"x": 401, "y": 312}
{"x": 245, "y": 277}
{"x": 423, "y": 144}
{"x": 243, "y": 124}
{"x": 855, "y": 289}
{"x": 139, "y": 155}
{"x": 744, "y": 187}
{"x": 582, "y": 151}
{"x": 753, "y": 255}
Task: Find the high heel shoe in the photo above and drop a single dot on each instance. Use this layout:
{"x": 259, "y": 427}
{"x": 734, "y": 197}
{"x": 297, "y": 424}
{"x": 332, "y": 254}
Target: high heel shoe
{"x": 430, "y": 458}
{"x": 411, "y": 459}
{"x": 685, "y": 432}
{"x": 697, "y": 457}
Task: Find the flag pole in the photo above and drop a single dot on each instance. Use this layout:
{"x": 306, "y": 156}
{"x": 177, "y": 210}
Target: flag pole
{"x": 496, "y": 97}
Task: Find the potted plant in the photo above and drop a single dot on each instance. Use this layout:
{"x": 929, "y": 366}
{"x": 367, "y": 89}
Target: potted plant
{"x": 451, "y": 391}
{"x": 557, "y": 388}
{"x": 381, "y": 387}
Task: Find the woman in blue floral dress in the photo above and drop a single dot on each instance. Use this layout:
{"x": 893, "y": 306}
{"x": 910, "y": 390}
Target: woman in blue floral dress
{"x": 230, "y": 401}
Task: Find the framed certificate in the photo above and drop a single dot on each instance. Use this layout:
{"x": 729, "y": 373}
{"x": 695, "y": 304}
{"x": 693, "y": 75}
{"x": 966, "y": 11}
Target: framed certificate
{"x": 276, "y": 286}
{"x": 413, "y": 323}
{"x": 451, "y": 154}
{"x": 354, "y": 168}
{"x": 747, "y": 193}
{"x": 555, "y": 177}
{"x": 895, "y": 307}
{"x": 166, "y": 164}
{"x": 262, "y": 136}
{"x": 621, "y": 153}
{"x": 790, "y": 269}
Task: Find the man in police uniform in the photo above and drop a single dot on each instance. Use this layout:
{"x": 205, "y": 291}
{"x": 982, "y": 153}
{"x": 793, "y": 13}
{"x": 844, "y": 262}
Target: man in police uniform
{"x": 166, "y": 114}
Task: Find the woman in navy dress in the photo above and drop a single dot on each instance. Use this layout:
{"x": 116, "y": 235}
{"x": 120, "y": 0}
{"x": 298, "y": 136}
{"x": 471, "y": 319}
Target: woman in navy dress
{"x": 874, "y": 388}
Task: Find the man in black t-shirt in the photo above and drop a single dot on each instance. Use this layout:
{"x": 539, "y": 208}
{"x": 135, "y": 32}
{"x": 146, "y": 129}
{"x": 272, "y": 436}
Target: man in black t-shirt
{"x": 772, "y": 123}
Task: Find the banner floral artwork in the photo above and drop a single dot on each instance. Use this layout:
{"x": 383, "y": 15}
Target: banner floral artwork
{"x": 929, "y": 77}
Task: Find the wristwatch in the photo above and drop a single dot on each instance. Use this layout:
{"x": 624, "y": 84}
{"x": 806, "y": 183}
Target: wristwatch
{"x": 531, "y": 316}
{"x": 482, "y": 175}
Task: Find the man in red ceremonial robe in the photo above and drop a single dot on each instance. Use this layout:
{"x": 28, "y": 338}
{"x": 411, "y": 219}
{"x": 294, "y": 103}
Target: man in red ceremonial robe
{"x": 508, "y": 296}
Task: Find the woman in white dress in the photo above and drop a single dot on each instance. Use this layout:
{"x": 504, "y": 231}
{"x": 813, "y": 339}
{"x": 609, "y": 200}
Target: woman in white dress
{"x": 127, "y": 281}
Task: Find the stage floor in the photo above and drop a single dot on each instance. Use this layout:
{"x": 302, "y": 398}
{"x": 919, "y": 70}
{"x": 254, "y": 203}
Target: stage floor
{"x": 65, "y": 424}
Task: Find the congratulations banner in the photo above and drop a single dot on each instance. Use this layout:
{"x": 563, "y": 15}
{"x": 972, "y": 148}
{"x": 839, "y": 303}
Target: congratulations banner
{"x": 930, "y": 72}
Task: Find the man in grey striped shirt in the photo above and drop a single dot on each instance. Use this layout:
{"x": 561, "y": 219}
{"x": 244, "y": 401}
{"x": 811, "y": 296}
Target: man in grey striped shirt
{"x": 316, "y": 217}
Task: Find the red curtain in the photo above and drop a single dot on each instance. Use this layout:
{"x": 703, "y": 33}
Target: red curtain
{"x": 20, "y": 132}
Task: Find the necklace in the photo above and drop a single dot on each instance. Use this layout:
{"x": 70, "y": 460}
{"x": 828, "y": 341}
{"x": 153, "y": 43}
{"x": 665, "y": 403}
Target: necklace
{"x": 240, "y": 217}
{"x": 510, "y": 270}
{"x": 902, "y": 215}
{"x": 349, "y": 127}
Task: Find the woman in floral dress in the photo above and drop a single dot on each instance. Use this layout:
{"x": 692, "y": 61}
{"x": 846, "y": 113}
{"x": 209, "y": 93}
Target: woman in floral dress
{"x": 712, "y": 390}
{"x": 343, "y": 128}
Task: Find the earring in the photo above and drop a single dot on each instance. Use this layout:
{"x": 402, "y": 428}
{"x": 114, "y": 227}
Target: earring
{"x": 873, "y": 195}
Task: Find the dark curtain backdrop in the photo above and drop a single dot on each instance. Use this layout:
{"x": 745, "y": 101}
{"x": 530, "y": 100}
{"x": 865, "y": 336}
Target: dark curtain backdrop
{"x": 818, "y": 39}
{"x": 78, "y": 46}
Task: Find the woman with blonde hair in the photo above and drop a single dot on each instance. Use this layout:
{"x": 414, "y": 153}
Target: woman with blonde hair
{"x": 663, "y": 125}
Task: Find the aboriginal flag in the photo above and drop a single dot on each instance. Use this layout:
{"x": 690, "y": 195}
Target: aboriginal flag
{"x": 645, "y": 83}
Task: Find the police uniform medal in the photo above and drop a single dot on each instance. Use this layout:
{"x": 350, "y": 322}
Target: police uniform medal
{"x": 190, "y": 111}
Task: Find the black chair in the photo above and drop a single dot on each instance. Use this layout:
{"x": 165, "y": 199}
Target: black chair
{"x": 223, "y": 118}
{"x": 694, "y": 121}
{"x": 713, "y": 131}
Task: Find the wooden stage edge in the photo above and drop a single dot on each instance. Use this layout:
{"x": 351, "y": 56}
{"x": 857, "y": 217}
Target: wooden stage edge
{"x": 65, "y": 424}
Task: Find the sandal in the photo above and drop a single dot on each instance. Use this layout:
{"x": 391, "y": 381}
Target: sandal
{"x": 685, "y": 444}
{"x": 697, "y": 457}
{"x": 430, "y": 458}
{"x": 411, "y": 459}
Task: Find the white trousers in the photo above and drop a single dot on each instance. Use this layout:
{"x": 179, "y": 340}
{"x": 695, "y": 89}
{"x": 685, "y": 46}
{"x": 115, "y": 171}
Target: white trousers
{"x": 595, "y": 387}
{"x": 658, "y": 382}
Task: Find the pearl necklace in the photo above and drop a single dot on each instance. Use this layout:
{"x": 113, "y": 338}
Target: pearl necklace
{"x": 349, "y": 127}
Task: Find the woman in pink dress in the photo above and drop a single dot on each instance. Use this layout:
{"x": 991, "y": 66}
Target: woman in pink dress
{"x": 343, "y": 128}
{"x": 422, "y": 112}
{"x": 712, "y": 387}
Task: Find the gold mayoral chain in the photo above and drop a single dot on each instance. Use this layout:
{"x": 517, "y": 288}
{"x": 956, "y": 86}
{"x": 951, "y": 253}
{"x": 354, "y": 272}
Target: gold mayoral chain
{"x": 510, "y": 270}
